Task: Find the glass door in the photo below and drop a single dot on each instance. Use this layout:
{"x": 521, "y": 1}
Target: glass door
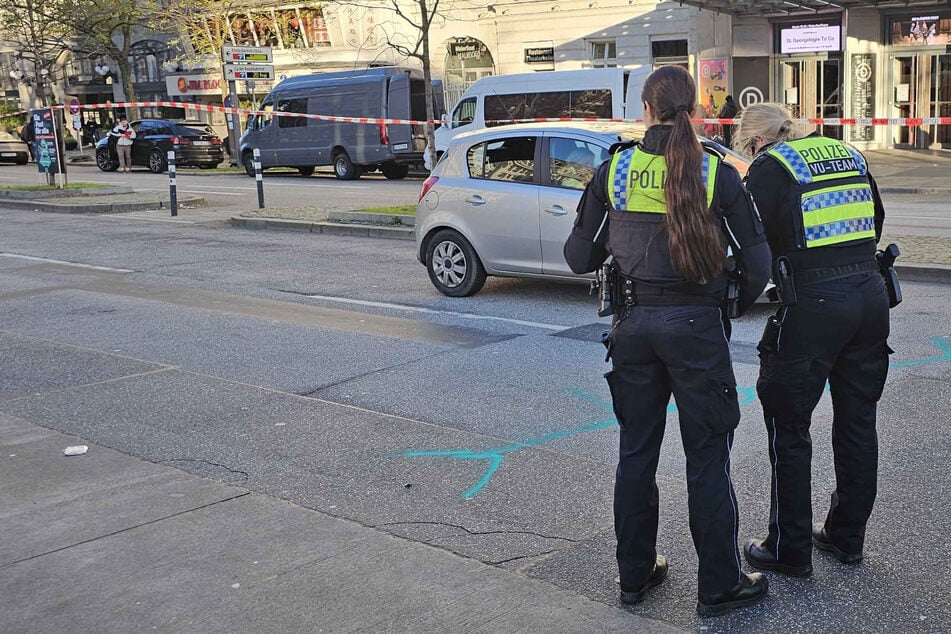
{"x": 905, "y": 73}
{"x": 811, "y": 89}
{"x": 941, "y": 100}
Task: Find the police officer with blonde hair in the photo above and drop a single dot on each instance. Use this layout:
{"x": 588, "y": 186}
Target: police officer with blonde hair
{"x": 823, "y": 218}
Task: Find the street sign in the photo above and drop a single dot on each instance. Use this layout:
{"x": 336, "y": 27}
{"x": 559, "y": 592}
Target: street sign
{"x": 74, "y": 105}
{"x": 247, "y": 54}
{"x": 248, "y": 71}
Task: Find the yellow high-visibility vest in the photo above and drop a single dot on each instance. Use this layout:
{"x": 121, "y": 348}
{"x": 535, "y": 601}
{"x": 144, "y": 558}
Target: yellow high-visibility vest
{"x": 835, "y": 203}
{"x": 636, "y": 180}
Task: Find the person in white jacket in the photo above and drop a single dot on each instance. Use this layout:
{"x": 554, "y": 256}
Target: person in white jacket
{"x": 124, "y": 137}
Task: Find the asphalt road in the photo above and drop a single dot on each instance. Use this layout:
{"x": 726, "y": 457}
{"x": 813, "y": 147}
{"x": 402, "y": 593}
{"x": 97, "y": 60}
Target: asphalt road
{"x": 326, "y": 371}
{"x": 907, "y": 215}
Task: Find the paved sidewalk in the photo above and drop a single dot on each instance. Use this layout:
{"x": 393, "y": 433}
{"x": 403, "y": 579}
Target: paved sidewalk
{"x": 106, "y": 542}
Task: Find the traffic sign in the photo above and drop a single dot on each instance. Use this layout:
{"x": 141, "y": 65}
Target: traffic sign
{"x": 74, "y": 105}
{"x": 248, "y": 71}
{"x": 247, "y": 54}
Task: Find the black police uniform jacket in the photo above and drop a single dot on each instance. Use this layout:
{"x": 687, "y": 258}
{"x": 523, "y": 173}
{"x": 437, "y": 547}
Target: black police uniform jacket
{"x": 644, "y": 239}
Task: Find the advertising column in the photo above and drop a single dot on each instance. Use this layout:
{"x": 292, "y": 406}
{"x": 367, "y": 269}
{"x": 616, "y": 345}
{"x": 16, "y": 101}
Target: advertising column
{"x": 863, "y": 95}
{"x": 46, "y": 146}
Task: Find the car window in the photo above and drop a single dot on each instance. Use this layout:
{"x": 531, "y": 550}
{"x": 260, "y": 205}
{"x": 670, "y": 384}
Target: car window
{"x": 464, "y": 112}
{"x": 8, "y": 136}
{"x": 194, "y": 129}
{"x": 292, "y": 105}
{"x": 140, "y": 127}
{"x": 572, "y": 163}
{"x": 162, "y": 128}
{"x": 511, "y": 160}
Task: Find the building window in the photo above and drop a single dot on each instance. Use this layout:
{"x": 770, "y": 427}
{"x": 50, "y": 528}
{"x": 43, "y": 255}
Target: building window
{"x": 146, "y": 61}
{"x": 295, "y": 27}
{"x": 667, "y": 52}
{"x": 602, "y": 53}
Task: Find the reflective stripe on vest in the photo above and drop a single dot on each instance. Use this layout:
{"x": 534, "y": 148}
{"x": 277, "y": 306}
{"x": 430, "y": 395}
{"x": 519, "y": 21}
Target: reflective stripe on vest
{"x": 637, "y": 181}
{"x": 831, "y": 214}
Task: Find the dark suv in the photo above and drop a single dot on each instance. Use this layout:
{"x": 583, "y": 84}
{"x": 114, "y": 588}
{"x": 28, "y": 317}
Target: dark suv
{"x": 194, "y": 142}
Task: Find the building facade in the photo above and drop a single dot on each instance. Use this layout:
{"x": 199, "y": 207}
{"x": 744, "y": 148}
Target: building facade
{"x": 881, "y": 59}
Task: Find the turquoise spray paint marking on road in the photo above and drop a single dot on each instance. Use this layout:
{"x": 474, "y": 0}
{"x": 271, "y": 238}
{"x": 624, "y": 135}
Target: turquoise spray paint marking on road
{"x": 495, "y": 456}
{"x": 941, "y": 343}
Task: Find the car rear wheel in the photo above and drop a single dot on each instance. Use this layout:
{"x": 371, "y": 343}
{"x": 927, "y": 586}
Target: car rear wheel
{"x": 344, "y": 169}
{"x": 157, "y": 162}
{"x": 247, "y": 159}
{"x": 305, "y": 171}
{"x": 395, "y": 171}
{"x": 454, "y": 267}
{"x": 104, "y": 160}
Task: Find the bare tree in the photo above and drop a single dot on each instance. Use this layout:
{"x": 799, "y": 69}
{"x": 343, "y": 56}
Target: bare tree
{"x": 419, "y": 15}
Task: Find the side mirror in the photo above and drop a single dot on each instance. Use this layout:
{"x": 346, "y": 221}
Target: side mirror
{"x": 444, "y": 120}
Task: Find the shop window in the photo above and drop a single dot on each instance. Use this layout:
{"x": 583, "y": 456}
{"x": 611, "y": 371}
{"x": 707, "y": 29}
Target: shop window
{"x": 265, "y": 29}
{"x": 602, "y": 53}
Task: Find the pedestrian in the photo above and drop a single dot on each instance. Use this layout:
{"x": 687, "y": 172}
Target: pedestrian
{"x": 823, "y": 217}
{"x": 28, "y": 136}
{"x": 728, "y": 111}
{"x": 666, "y": 209}
{"x": 92, "y": 131}
{"x": 125, "y": 136}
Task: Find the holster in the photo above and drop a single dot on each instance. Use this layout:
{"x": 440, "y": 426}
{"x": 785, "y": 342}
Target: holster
{"x": 784, "y": 280}
{"x": 886, "y": 265}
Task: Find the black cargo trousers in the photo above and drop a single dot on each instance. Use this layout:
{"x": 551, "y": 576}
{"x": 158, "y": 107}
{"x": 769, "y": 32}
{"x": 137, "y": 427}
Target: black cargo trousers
{"x": 681, "y": 350}
{"x": 838, "y": 332}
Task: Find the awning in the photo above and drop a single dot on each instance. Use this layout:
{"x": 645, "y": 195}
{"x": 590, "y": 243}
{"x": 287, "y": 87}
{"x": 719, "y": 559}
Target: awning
{"x": 776, "y": 8}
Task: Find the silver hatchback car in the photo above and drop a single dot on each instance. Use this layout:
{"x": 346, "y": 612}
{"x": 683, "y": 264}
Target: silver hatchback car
{"x": 502, "y": 201}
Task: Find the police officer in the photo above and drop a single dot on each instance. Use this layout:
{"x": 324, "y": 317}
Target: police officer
{"x": 823, "y": 217}
{"x": 666, "y": 210}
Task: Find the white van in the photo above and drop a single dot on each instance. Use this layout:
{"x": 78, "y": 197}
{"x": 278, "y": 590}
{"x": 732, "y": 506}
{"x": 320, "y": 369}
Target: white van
{"x": 604, "y": 93}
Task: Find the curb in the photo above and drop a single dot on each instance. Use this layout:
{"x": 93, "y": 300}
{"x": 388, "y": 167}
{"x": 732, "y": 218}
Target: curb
{"x": 102, "y": 208}
{"x": 16, "y": 194}
{"x": 921, "y": 191}
{"x": 335, "y": 228}
{"x": 933, "y": 273}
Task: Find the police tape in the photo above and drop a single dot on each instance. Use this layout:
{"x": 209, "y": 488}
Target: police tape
{"x": 855, "y": 121}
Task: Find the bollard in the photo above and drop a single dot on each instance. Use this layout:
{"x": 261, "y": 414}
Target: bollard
{"x": 259, "y": 177}
{"x": 172, "y": 193}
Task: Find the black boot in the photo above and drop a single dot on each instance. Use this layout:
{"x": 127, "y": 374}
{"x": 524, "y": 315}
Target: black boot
{"x": 820, "y": 539}
{"x": 758, "y": 556}
{"x": 751, "y": 589}
{"x": 636, "y": 595}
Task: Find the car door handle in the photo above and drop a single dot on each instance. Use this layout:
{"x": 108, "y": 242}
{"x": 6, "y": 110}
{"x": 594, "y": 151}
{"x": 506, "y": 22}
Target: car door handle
{"x": 476, "y": 200}
{"x": 556, "y": 210}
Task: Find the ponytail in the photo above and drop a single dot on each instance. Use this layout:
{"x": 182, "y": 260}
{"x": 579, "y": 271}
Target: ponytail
{"x": 696, "y": 242}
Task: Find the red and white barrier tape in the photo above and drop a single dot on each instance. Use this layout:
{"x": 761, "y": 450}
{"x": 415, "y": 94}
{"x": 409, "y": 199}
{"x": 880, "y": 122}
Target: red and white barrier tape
{"x": 865, "y": 121}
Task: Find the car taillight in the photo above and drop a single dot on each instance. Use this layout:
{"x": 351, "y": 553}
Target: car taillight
{"x": 216, "y": 141}
{"x": 384, "y": 138}
{"x": 427, "y": 185}
{"x": 179, "y": 140}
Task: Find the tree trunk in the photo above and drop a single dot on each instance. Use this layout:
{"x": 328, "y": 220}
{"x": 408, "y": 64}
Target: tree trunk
{"x": 428, "y": 82}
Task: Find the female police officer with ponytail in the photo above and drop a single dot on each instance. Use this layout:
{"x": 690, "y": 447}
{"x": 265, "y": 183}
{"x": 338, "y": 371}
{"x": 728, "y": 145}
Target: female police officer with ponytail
{"x": 666, "y": 210}
{"x": 823, "y": 217}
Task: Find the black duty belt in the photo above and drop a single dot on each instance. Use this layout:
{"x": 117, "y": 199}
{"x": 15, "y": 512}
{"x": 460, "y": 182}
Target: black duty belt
{"x": 632, "y": 294}
{"x": 811, "y": 276}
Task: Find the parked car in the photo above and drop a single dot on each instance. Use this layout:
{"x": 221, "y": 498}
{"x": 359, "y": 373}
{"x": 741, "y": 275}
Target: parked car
{"x": 194, "y": 142}
{"x": 12, "y": 149}
{"x": 502, "y": 201}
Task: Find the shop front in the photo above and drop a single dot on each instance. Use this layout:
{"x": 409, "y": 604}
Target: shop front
{"x": 919, "y": 76}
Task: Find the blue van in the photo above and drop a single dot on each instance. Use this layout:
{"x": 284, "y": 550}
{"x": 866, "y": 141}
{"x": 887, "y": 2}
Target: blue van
{"x": 351, "y": 148}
